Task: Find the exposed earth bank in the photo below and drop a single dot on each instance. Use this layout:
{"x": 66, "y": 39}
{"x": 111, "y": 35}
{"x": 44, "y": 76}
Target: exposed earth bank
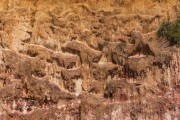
{"x": 88, "y": 60}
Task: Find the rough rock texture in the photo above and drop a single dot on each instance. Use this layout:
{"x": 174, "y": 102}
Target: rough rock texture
{"x": 87, "y": 60}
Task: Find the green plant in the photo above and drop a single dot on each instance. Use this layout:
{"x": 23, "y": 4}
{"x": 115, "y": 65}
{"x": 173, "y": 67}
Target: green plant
{"x": 105, "y": 43}
{"x": 121, "y": 46}
{"x": 170, "y": 31}
{"x": 109, "y": 90}
{"x": 132, "y": 40}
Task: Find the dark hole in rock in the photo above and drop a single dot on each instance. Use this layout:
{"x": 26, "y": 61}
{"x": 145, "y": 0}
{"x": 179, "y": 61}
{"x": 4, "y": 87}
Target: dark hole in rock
{"x": 143, "y": 49}
{"x": 56, "y": 60}
{"x": 29, "y": 109}
{"x": 93, "y": 89}
{"x": 137, "y": 84}
{"x": 97, "y": 59}
{"x": 20, "y": 51}
{"x": 19, "y": 108}
{"x": 32, "y": 53}
{"x": 26, "y": 40}
{"x": 38, "y": 73}
{"x": 8, "y": 69}
{"x": 30, "y": 33}
{"x": 72, "y": 52}
{"x": 69, "y": 50}
{"x": 71, "y": 65}
{"x": 159, "y": 64}
{"x": 128, "y": 72}
{"x": 108, "y": 95}
{"x": 112, "y": 72}
{"x": 18, "y": 76}
{"x": 69, "y": 85}
{"x": 49, "y": 61}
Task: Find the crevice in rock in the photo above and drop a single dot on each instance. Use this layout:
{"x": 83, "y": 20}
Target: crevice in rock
{"x": 38, "y": 73}
{"x": 32, "y": 53}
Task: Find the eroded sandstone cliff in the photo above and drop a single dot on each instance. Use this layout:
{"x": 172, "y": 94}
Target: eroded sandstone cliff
{"x": 88, "y": 60}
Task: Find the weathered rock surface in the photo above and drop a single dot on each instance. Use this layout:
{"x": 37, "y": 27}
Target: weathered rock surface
{"x": 87, "y": 60}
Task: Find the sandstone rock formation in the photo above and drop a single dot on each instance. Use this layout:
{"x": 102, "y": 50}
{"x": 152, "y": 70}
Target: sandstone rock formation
{"x": 88, "y": 60}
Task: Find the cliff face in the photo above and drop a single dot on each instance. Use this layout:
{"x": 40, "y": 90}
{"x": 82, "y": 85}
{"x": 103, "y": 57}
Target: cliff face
{"x": 88, "y": 60}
